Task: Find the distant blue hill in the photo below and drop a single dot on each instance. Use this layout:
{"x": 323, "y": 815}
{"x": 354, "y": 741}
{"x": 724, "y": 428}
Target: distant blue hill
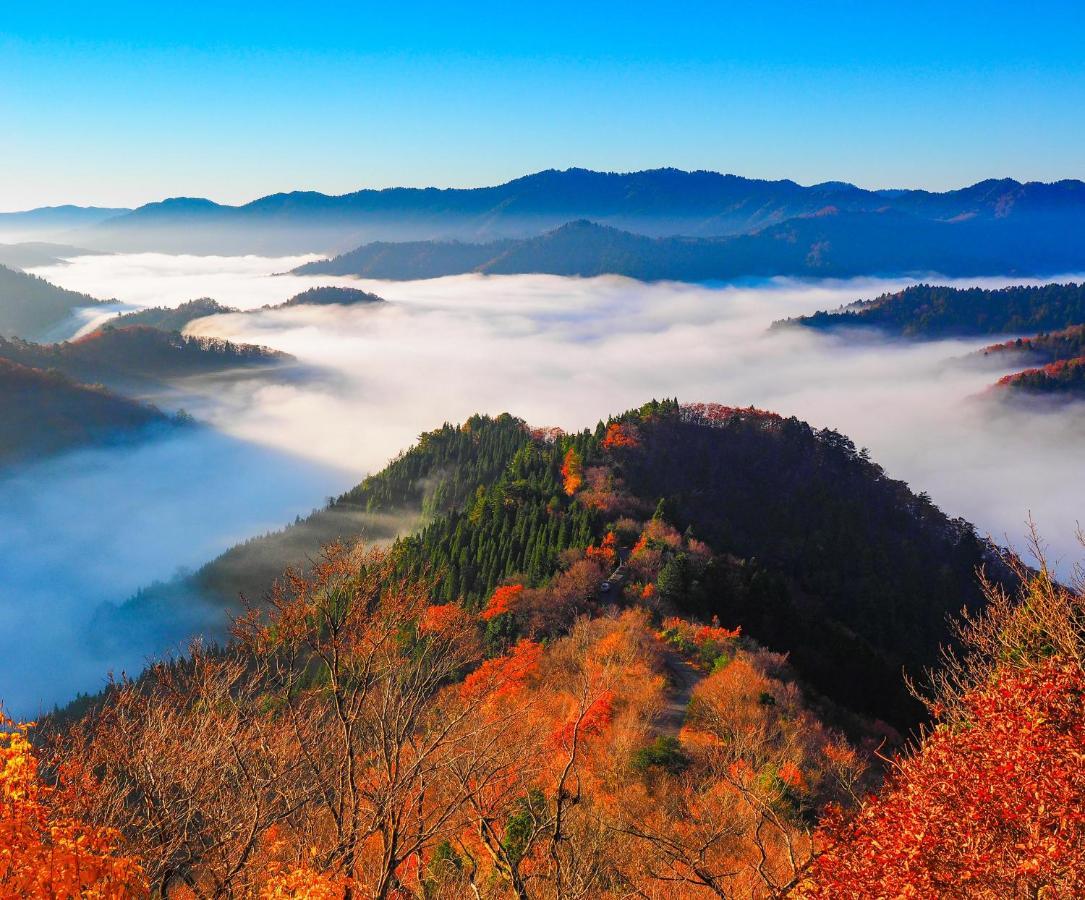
{"x": 830, "y": 244}
{"x": 53, "y": 221}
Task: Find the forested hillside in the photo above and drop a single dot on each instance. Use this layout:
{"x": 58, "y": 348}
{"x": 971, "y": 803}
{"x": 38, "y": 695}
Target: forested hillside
{"x": 434, "y": 478}
{"x": 31, "y": 306}
{"x": 829, "y": 243}
{"x": 170, "y": 318}
{"x": 46, "y": 412}
{"x": 930, "y": 312}
{"x": 575, "y": 733}
{"x": 1064, "y": 378}
{"x": 933, "y": 311}
{"x": 1067, "y": 343}
{"x": 134, "y": 355}
{"x": 801, "y": 537}
{"x": 330, "y": 295}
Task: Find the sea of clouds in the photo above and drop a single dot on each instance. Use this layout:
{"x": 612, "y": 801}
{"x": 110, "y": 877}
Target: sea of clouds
{"x": 555, "y": 351}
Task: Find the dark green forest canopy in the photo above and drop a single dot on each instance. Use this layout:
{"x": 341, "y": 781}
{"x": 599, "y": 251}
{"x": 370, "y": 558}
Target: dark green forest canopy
{"x": 125, "y": 357}
{"x": 933, "y": 311}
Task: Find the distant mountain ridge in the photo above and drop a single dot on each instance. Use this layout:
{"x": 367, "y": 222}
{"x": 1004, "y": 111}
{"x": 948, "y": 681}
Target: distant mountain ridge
{"x": 53, "y": 222}
{"x": 656, "y": 203}
{"x": 829, "y": 244}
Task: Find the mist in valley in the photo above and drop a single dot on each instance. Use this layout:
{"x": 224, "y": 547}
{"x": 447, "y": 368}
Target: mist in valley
{"x": 89, "y": 528}
{"x": 95, "y": 526}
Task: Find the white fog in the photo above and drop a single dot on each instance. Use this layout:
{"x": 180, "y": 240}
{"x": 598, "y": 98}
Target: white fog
{"x": 554, "y": 351}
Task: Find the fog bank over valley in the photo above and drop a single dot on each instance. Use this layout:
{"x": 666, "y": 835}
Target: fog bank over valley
{"x": 552, "y": 350}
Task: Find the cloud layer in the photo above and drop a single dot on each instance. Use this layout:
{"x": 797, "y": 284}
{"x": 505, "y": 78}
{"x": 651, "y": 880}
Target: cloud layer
{"x": 557, "y": 352}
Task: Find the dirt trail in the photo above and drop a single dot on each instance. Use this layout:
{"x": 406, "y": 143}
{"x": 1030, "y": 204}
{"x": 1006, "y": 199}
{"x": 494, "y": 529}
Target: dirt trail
{"x": 682, "y": 679}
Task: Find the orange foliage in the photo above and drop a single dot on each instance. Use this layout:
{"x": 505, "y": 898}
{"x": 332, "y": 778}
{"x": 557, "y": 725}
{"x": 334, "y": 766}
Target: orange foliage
{"x": 606, "y": 554}
{"x": 572, "y": 472}
{"x": 689, "y": 633}
{"x": 45, "y": 851}
{"x": 440, "y": 618}
{"x": 500, "y": 602}
{"x": 301, "y": 883}
{"x": 619, "y": 435}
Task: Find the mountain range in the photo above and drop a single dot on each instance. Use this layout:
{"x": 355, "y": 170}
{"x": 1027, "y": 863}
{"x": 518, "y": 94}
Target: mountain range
{"x": 654, "y": 203}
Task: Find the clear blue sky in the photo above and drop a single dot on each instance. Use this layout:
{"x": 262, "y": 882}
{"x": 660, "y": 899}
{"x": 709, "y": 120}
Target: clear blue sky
{"x": 118, "y": 103}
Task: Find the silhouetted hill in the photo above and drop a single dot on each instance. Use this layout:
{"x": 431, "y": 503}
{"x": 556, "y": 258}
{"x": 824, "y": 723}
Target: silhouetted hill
{"x": 330, "y": 296}
{"x": 829, "y": 244}
{"x": 50, "y": 222}
{"x": 176, "y": 319}
{"x": 169, "y": 318}
{"x": 656, "y": 203}
{"x": 44, "y": 412}
{"x": 124, "y": 357}
{"x": 31, "y": 306}
{"x": 933, "y": 311}
{"x": 39, "y": 253}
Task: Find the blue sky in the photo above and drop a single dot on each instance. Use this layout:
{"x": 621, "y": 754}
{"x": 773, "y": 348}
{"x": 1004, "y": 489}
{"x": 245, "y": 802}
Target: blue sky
{"x": 118, "y": 103}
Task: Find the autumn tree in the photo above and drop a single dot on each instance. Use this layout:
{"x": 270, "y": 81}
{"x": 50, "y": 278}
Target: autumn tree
{"x": 46, "y": 848}
{"x": 328, "y": 721}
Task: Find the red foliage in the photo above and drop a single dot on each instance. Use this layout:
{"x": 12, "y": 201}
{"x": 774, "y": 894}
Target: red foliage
{"x": 707, "y": 633}
{"x": 592, "y": 721}
{"x": 1056, "y": 370}
{"x": 619, "y": 435}
{"x": 504, "y": 674}
{"x": 990, "y": 806}
{"x": 501, "y": 601}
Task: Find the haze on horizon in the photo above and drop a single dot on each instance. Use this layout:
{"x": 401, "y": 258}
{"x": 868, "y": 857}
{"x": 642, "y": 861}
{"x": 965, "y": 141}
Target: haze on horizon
{"x": 128, "y": 104}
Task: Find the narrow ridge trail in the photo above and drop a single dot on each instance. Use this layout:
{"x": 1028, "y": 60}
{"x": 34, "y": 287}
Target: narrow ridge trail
{"x": 682, "y": 678}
